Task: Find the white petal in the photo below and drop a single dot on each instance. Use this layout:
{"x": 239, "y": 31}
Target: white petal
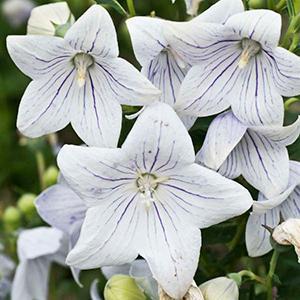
{"x": 223, "y": 134}
{"x": 192, "y": 7}
{"x": 42, "y": 18}
{"x": 284, "y": 135}
{"x": 171, "y": 248}
{"x": 188, "y": 121}
{"x": 290, "y": 208}
{"x": 257, "y": 237}
{"x": 285, "y": 70}
{"x": 94, "y": 290}
{"x": 220, "y": 11}
{"x": 36, "y": 56}
{"x": 147, "y": 37}
{"x": 61, "y": 207}
{"x": 94, "y": 32}
{"x": 159, "y": 141}
{"x": 109, "y": 239}
{"x": 204, "y": 197}
{"x": 96, "y": 115}
{"x": 124, "y": 82}
{"x": 231, "y": 168}
{"x": 38, "y": 242}
{"x": 265, "y": 164}
{"x": 31, "y": 280}
{"x": 96, "y": 173}
{"x": 110, "y": 271}
{"x": 46, "y": 103}
{"x": 260, "y": 25}
{"x": 254, "y": 99}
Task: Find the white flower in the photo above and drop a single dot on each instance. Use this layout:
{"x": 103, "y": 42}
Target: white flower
{"x": 43, "y": 18}
{"x": 78, "y": 79}
{"x": 148, "y": 198}
{"x": 220, "y": 288}
{"x": 267, "y": 211}
{"x": 157, "y": 52}
{"x": 37, "y": 249}
{"x": 16, "y": 11}
{"x": 288, "y": 233}
{"x": 238, "y": 64}
{"x": 6, "y": 269}
{"x": 257, "y": 153}
{"x": 191, "y": 6}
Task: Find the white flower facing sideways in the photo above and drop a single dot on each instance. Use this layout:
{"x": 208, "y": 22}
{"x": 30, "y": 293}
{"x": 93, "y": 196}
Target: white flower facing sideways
{"x": 267, "y": 211}
{"x": 149, "y": 198}
{"x": 288, "y": 233}
{"x": 78, "y": 79}
{"x": 257, "y": 152}
{"x": 43, "y": 18}
{"x": 238, "y": 64}
{"x": 37, "y": 249}
{"x": 157, "y": 54}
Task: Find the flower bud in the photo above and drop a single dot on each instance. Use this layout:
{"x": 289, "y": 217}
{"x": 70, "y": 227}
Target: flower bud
{"x": 11, "y": 218}
{"x": 50, "y": 176}
{"x": 288, "y": 233}
{"x": 26, "y": 205}
{"x": 122, "y": 287}
{"x": 220, "y": 288}
{"x": 256, "y": 4}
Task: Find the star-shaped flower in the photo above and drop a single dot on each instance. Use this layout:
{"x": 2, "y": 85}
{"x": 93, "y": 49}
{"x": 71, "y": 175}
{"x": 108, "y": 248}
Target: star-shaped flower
{"x": 78, "y": 79}
{"x": 37, "y": 249}
{"x": 257, "y": 153}
{"x": 268, "y": 211}
{"x": 239, "y": 64}
{"x": 157, "y": 52}
{"x": 148, "y": 198}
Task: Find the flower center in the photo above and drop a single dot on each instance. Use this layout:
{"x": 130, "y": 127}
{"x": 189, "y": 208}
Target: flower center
{"x": 250, "y": 49}
{"x": 180, "y": 62}
{"x": 147, "y": 185}
{"x": 82, "y": 63}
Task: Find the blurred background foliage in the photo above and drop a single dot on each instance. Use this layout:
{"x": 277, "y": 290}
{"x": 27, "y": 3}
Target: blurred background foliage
{"x": 27, "y": 166}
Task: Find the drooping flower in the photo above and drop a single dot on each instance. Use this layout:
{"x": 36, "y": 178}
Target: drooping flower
{"x": 288, "y": 233}
{"x": 257, "y": 153}
{"x": 148, "y": 198}
{"x": 45, "y": 18}
{"x": 157, "y": 53}
{"x": 37, "y": 249}
{"x": 238, "y": 64}
{"x": 78, "y": 79}
{"x": 268, "y": 212}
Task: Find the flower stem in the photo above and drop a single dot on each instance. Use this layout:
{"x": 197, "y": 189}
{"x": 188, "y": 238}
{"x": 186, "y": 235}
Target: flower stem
{"x": 252, "y": 276}
{"x": 131, "y": 8}
{"x": 40, "y": 161}
{"x": 271, "y": 273}
{"x": 280, "y": 5}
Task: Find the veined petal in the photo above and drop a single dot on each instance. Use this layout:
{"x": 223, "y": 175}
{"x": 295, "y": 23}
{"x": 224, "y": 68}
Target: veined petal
{"x": 290, "y": 208}
{"x": 261, "y": 25}
{"x": 42, "y": 18}
{"x": 283, "y": 135}
{"x": 96, "y": 114}
{"x": 46, "y": 103}
{"x": 171, "y": 247}
{"x": 265, "y": 164}
{"x": 61, "y": 207}
{"x": 285, "y": 71}
{"x": 231, "y": 168}
{"x": 34, "y": 286}
{"x": 223, "y": 134}
{"x": 125, "y": 83}
{"x": 36, "y": 56}
{"x": 94, "y": 32}
{"x": 96, "y": 173}
{"x": 257, "y": 237}
{"x": 159, "y": 141}
{"x": 147, "y": 37}
{"x": 109, "y": 240}
{"x": 187, "y": 120}
{"x": 38, "y": 242}
{"x": 166, "y": 73}
{"x": 220, "y": 11}
{"x": 204, "y": 197}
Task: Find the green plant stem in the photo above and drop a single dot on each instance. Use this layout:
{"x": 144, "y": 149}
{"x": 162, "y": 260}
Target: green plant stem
{"x": 291, "y": 32}
{"x": 271, "y": 4}
{"x": 239, "y": 232}
{"x": 280, "y": 5}
{"x": 252, "y": 276}
{"x": 269, "y": 279}
{"x": 40, "y": 161}
{"x": 131, "y": 8}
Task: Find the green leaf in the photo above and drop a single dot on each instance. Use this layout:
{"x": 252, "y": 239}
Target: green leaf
{"x": 115, "y": 5}
{"x": 291, "y": 8}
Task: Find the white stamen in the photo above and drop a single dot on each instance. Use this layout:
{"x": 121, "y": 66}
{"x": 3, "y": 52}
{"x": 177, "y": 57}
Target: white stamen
{"x": 250, "y": 49}
{"x": 82, "y": 62}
